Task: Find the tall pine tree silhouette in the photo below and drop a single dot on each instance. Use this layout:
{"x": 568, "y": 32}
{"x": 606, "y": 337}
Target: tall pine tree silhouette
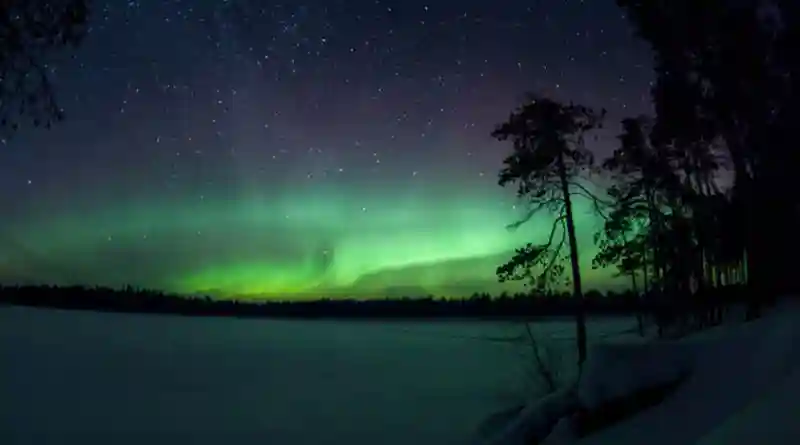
{"x": 549, "y": 156}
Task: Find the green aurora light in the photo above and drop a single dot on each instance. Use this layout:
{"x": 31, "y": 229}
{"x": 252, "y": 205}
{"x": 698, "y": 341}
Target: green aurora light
{"x": 341, "y": 243}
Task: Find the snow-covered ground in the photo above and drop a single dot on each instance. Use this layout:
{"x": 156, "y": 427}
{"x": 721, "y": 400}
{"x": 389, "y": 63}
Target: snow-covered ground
{"x": 741, "y": 386}
{"x": 81, "y": 377}
{"x": 772, "y": 418}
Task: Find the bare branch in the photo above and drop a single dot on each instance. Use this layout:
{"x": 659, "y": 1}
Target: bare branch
{"x": 531, "y": 212}
{"x": 541, "y": 366}
{"x": 595, "y": 205}
{"x": 561, "y": 220}
{"x": 590, "y": 195}
{"x": 557, "y": 250}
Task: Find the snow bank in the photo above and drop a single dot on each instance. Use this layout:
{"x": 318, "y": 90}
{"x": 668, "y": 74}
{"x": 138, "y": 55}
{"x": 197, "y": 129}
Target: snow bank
{"x": 729, "y": 394}
{"x": 536, "y": 419}
{"x": 563, "y": 433}
{"x": 617, "y": 369}
{"x": 771, "y": 419}
{"x": 731, "y": 366}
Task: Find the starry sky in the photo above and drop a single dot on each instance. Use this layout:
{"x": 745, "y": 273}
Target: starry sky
{"x": 252, "y": 149}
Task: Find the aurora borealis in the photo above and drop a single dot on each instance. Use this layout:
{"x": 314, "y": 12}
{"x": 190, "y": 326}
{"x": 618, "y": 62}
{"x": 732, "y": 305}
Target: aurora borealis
{"x": 332, "y": 148}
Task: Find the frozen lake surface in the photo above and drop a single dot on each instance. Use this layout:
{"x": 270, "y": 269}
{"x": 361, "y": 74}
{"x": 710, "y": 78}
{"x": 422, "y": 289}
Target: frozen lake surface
{"x": 82, "y": 377}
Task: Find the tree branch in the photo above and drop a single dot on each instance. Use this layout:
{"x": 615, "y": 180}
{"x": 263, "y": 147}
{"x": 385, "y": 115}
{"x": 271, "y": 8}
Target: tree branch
{"x": 590, "y": 194}
{"x": 557, "y": 250}
{"x": 561, "y": 220}
{"x": 530, "y": 213}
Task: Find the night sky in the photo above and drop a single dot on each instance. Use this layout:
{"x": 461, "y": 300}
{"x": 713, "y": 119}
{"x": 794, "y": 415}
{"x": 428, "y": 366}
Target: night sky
{"x": 325, "y": 148}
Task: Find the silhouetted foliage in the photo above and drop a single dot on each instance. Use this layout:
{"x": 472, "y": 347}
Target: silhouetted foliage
{"x": 549, "y": 156}
{"x": 727, "y": 72}
{"x": 30, "y": 30}
{"x": 669, "y": 221}
{"x": 726, "y": 81}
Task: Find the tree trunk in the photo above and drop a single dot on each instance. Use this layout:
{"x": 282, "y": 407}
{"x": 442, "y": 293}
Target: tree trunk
{"x": 777, "y": 226}
{"x": 639, "y": 315}
{"x": 580, "y": 316}
{"x": 645, "y": 283}
{"x": 655, "y": 230}
{"x": 744, "y": 186}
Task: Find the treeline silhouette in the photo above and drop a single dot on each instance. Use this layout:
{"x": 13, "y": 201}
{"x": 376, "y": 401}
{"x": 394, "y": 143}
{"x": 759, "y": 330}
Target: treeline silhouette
{"x": 697, "y": 197}
{"x": 700, "y": 191}
{"x": 479, "y": 305}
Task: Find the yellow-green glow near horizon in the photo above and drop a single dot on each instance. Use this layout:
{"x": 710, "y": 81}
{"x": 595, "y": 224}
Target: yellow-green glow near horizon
{"x": 311, "y": 246}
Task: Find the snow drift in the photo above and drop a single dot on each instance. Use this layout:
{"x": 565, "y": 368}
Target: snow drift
{"x": 733, "y": 386}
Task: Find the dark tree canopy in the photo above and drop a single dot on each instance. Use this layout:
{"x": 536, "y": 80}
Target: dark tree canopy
{"x": 546, "y": 136}
{"x": 728, "y": 70}
{"x": 30, "y": 30}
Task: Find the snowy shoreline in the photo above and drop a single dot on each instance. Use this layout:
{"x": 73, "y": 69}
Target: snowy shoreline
{"x": 729, "y": 380}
